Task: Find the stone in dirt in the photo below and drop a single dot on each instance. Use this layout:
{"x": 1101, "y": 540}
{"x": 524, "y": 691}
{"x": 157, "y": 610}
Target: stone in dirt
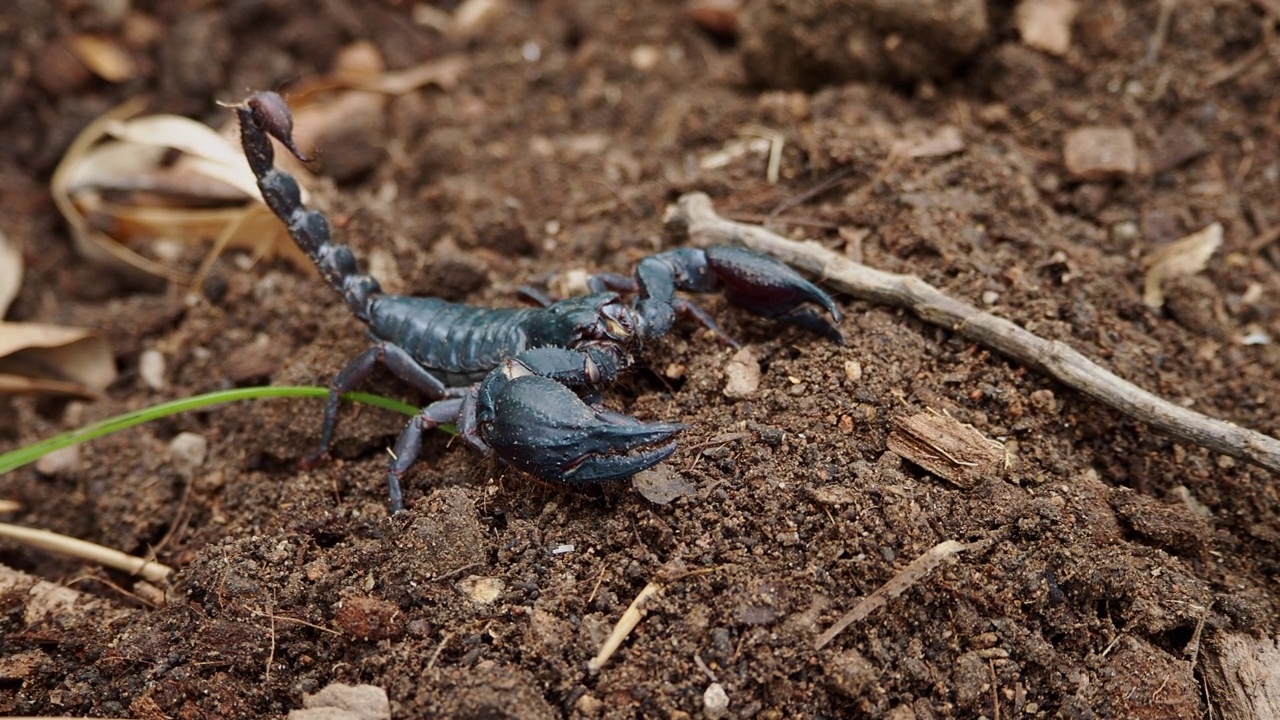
{"x": 1099, "y": 153}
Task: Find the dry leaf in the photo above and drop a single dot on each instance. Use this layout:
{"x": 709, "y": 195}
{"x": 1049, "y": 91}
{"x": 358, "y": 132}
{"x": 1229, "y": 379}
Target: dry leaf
{"x": 89, "y": 242}
{"x": 119, "y": 184}
{"x": 360, "y": 67}
{"x": 10, "y": 271}
{"x": 204, "y": 194}
{"x": 179, "y": 133}
{"x": 1180, "y": 258}
{"x": 443, "y": 73}
{"x": 105, "y": 57}
{"x": 51, "y": 358}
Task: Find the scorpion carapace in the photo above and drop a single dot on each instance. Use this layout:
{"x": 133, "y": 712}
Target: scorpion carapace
{"x": 523, "y": 384}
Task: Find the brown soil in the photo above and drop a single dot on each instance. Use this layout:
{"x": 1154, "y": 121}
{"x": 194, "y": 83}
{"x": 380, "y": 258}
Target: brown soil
{"x": 1086, "y": 600}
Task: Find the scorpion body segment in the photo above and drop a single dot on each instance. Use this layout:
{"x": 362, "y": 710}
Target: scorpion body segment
{"x": 522, "y": 384}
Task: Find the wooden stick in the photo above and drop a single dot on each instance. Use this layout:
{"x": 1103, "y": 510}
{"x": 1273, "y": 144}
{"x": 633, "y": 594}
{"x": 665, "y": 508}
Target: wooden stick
{"x": 694, "y": 212}
{"x": 53, "y": 542}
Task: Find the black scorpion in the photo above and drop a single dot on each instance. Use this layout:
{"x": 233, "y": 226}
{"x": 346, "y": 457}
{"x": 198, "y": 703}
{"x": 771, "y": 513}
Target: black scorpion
{"x": 522, "y": 383}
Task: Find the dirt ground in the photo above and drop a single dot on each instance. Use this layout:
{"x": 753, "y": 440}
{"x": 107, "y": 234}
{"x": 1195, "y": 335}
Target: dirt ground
{"x": 1113, "y": 565}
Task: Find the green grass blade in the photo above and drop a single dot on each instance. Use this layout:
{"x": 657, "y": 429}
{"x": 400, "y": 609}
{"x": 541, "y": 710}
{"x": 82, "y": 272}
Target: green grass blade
{"x": 29, "y": 454}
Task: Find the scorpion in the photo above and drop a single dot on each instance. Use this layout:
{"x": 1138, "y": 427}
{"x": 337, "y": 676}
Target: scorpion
{"x": 522, "y": 384}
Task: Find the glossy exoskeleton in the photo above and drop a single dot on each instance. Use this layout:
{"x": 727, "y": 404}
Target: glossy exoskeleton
{"x": 514, "y": 380}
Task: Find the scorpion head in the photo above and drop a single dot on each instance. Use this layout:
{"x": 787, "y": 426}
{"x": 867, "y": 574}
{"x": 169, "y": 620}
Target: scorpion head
{"x": 600, "y": 320}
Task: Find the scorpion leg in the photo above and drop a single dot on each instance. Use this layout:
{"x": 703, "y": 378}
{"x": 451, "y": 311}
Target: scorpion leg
{"x": 754, "y": 282}
{"x": 533, "y": 421}
{"x": 409, "y": 444}
{"x": 398, "y": 361}
{"x": 770, "y": 288}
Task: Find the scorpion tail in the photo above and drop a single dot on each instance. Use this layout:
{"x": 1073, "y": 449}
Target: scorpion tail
{"x": 263, "y": 116}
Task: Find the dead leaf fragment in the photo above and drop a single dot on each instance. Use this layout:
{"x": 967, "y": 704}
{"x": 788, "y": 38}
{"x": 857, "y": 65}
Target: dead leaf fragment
{"x": 105, "y": 57}
{"x": 10, "y": 271}
{"x": 944, "y": 446}
{"x": 1180, "y": 258}
{"x": 207, "y": 193}
{"x": 661, "y": 484}
{"x": 54, "y": 359}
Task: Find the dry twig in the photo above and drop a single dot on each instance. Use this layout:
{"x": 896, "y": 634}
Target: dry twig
{"x": 625, "y": 625}
{"x": 898, "y": 584}
{"x": 53, "y": 542}
{"x": 1058, "y": 360}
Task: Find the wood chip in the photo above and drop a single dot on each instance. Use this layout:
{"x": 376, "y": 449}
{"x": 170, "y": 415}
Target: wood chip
{"x": 947, "y": 448}
{"x": 1243, "y": 675}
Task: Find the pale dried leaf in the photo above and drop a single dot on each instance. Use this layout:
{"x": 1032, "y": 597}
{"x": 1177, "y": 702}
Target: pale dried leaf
{"x": 105, "y": 57}
{"x": 130, "y": 223}
{"x": 105, "y": 165}
{"x": 175, "y": 185}
{"x": 179, "y": 133}
{"x": 53, "y": 358}
{"x": 89, "y": 242}
{"x": 1180, "y": 258}
{"x": 154, "y": 196}
{"x": 443, "y": 73}
{"x": 10, "y": 271}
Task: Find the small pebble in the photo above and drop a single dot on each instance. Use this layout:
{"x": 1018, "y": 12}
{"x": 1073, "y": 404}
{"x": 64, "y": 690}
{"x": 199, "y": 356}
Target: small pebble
{"x": 715, "y": 701}
{"x": 852, "y": 370}
{"x": 350, "y": 702}
{"x": 151, "y": 368}
{"x": 59, "y": 463}
{"x": 1098, "y": 153}
{"x": 1125, "y": 231}
{"x": 482, "y": 590}
{"x": 645, "y": 57}
{"x": 742, "y": 375}
{"x": 1046, "y": 24}
{"x": 189, "y": 449}
{"x": 1256, "y": 337}
{"x": 589, "y": 705}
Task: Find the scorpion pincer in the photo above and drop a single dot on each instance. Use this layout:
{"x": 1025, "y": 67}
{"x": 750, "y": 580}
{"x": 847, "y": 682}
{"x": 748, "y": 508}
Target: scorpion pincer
{"x": 522, "y": 384}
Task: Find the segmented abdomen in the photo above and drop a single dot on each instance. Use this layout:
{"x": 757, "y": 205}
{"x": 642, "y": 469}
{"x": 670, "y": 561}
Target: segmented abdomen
{"x": 459, "y": 342}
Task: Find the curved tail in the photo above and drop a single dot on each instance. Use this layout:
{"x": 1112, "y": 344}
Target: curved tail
{"x": 265, "y": 115}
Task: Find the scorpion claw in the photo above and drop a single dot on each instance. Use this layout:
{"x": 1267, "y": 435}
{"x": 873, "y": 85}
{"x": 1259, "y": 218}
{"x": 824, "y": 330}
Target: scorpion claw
{"x": 543, "y": 428}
